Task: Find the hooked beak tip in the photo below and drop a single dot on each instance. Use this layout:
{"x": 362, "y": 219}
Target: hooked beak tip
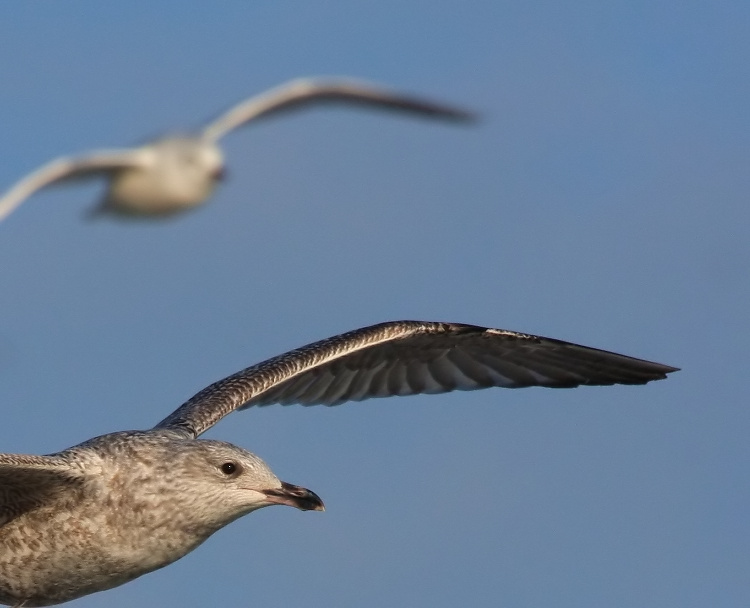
{"x": 295, "y": 496}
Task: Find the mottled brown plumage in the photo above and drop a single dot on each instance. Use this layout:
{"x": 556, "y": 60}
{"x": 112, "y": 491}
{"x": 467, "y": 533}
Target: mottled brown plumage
{"x": 118, "y": 506}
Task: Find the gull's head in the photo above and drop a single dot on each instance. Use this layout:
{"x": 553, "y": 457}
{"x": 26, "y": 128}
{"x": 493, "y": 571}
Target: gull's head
{"x": 222, "y": 482}
{"x": 191, "y": 166}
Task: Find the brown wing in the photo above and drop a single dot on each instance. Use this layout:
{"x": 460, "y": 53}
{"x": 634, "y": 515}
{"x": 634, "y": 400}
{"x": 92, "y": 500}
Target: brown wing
{"x": 30, "y": 481}
{"x": 408, "y": 358}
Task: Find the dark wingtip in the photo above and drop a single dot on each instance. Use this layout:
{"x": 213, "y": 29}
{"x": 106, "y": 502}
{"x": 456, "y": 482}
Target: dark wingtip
{"x": 428, "y": 109}
{"x": 467, "y": 116}
{"x": 657, "y": 371}
{"x": 663, "y": 370}
{"x": 456, "y": 115}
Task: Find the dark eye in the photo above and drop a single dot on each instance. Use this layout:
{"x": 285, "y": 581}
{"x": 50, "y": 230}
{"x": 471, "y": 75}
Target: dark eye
{"x": 229, "y": 468}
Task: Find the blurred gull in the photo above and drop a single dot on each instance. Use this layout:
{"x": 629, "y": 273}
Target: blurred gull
{"x": 115, "y": 507}
{"x": 179, "y": 172}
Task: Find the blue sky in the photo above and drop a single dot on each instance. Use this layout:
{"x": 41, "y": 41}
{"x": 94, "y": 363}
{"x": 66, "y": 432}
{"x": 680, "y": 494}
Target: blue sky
{"x": 602, "y": 199}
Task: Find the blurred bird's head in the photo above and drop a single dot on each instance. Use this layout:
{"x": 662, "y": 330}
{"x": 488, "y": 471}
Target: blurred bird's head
{"x": 176, "y": 174}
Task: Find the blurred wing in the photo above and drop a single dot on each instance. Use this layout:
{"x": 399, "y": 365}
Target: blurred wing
{"x": 408, "y": 358}
{"x": 29, "y": 481}
{"x": 66, "y": 168}
{"x": 298, "y": 93}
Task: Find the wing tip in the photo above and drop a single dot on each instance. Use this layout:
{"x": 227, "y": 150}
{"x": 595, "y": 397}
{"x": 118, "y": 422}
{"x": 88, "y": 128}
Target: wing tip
{"x": 660, "y": 370}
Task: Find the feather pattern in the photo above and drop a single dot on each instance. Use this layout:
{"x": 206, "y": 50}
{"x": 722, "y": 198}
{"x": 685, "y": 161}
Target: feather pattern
{"x": 408, "y": 358}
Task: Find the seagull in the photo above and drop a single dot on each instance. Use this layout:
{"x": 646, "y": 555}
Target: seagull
{"x": 115, "y": 507}
{"x": 179, "y": 172}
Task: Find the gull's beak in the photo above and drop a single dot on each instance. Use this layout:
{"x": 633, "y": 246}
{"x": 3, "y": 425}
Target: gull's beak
{"x": 219, "y": 174}
{"x": 294, "y": 496}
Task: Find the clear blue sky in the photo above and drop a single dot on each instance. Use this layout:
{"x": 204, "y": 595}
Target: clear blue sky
{"x": 603, "y": 199}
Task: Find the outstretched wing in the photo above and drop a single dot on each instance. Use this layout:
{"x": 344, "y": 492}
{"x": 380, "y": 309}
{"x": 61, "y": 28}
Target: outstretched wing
{"x": 408, "y": 358}
{"x": 30, "y": 481}
{"x": 68, "y": 168}
{"x": 311, "y": 91}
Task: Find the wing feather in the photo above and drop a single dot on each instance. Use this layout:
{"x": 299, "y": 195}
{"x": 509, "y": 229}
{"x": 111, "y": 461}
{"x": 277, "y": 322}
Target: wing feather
{"x": 407, "y": 358}
{"x": 303, "y": 92}
{"x": 68, "y": 168}
{"x": 28, "y": 481}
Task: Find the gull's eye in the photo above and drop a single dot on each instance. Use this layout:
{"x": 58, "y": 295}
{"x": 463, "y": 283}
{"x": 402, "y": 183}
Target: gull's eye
{"x": 229, "y": 468}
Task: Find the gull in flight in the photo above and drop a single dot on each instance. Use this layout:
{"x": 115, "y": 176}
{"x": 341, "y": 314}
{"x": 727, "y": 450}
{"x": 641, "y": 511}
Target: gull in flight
{"x": 179, "y": 172}
{"x": 115, "y": 507}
